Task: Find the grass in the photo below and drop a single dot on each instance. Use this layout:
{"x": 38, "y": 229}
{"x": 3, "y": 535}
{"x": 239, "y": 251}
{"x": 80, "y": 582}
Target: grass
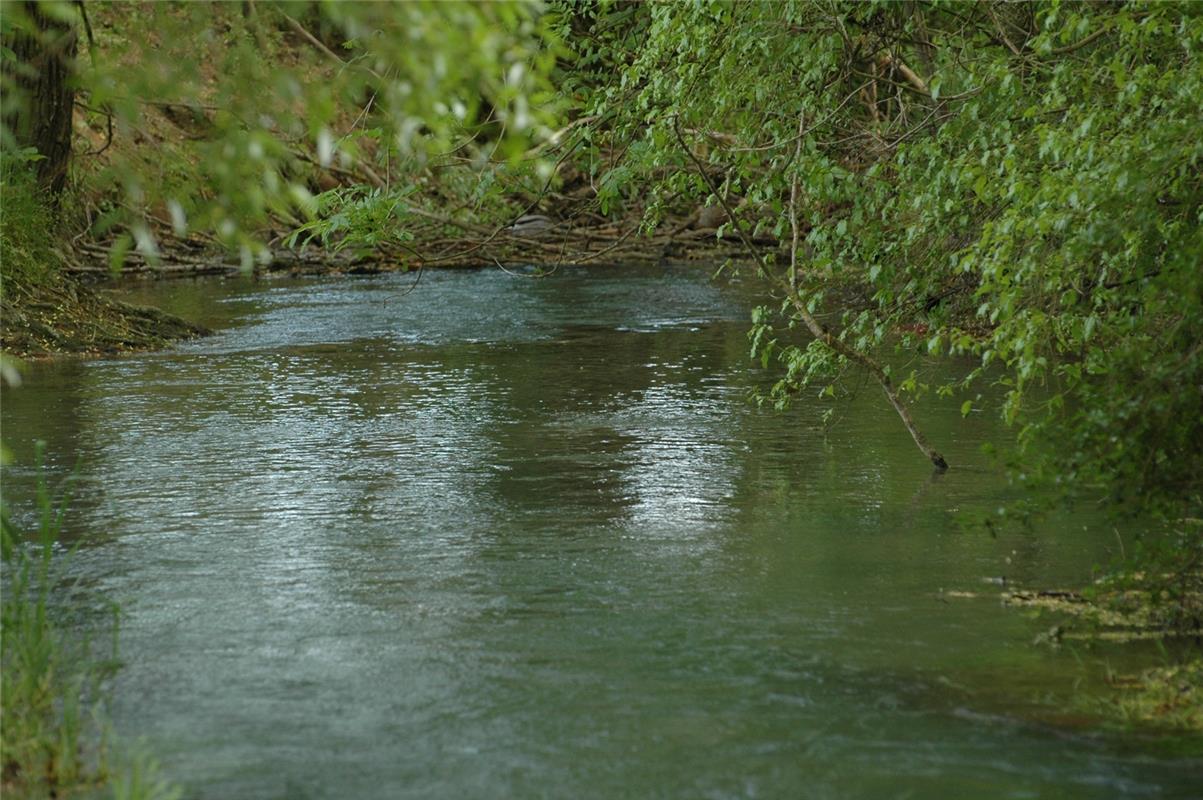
{"x": 43, "y": 310}
{"x": 54, "y": 738}
{"x": 27, "y": 225}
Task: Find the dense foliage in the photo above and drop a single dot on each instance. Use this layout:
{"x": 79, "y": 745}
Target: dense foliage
{"x": 26, "y": 221}
{"x": 1017, "y": 183}
{"x": 218, "y": 118}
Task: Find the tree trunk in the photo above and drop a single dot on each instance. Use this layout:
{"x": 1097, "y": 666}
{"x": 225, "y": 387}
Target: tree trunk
{"x": 44, "y": 46}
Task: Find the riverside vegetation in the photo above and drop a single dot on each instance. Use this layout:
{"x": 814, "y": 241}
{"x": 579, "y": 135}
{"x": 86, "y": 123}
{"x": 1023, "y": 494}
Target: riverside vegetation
{"x": 1014, "y": 188}
{"x": 55, "y": 739}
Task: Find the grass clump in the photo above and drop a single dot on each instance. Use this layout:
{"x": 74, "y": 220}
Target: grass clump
{"x": 1167, "y": 697}
{"x": 54, "y": 737}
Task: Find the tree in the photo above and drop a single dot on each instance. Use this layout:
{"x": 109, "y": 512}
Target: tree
{"x": 39, "y": 43}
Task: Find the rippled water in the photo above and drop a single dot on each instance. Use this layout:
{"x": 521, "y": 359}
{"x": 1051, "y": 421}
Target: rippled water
{"x": 516, "y": 538}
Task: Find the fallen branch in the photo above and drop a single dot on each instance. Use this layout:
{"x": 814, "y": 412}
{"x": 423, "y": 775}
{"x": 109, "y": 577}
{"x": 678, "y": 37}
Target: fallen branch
{"x": 916, "y": 83}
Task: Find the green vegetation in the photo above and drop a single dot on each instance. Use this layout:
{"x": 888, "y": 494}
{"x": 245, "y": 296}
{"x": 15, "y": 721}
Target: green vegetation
{"x": 231, "y": 147}
{"x": 1167, "y": 697}
{"x": 1014, "y": 184}
{"x": 1014, "y": 187}
{"x": 53, "y": 737}
{"x": 42, "y": 311}
{"x": 26, "y": 225}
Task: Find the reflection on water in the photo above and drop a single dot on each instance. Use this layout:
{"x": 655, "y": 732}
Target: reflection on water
{"x": 512, "y": 538}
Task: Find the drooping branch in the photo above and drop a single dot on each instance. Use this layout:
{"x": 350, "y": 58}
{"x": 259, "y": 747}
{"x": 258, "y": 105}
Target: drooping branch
{"x": 795, "y": 228}
{"x": 870, "y": 365}
{"x": 816, "y": 328}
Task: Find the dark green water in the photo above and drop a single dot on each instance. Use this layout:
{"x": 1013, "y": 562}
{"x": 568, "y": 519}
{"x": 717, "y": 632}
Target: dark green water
{"x": 516, "y": 538}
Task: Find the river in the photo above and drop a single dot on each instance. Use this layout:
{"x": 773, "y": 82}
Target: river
{"x": 499, "y": 537}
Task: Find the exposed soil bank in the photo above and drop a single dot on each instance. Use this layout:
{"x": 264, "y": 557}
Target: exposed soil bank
{"x": 63, "y": 316}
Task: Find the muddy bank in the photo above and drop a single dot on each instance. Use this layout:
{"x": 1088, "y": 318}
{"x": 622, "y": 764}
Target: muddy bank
{"x": 63, "y": 316}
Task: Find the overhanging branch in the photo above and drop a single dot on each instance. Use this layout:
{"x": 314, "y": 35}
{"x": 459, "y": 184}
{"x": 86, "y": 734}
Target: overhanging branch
{"x": 816, "y": 328}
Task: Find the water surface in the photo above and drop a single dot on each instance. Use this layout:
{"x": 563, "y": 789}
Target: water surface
{"x": 527, "y": 538}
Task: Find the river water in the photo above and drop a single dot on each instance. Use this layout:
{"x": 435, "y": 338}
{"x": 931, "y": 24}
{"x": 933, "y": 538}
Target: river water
{"x": 521, "y": 538}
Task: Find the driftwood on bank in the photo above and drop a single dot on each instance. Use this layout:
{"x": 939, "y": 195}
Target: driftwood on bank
{"x": 439, "y": 241}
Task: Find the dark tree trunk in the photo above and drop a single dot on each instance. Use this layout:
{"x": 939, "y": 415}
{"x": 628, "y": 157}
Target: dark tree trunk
{"x": 41, "y": 77}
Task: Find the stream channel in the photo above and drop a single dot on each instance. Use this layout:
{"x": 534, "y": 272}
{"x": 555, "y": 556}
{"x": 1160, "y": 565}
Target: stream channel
{"x": 528, "y": 538}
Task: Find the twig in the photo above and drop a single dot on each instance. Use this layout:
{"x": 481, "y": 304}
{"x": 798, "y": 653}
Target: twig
{"x": 916, "y": 83}
{"x": 1069, "y": 48}
{"x": 320, "y": 45}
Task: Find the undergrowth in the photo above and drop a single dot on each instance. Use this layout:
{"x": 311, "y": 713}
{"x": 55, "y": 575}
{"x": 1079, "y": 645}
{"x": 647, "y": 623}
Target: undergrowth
{"x": 26, "y": 224}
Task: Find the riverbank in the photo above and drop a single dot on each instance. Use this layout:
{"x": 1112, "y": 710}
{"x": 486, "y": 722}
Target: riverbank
{"x": 59, "y": 315}
{"x": 56, "y": 740}
{"x": 1134, "y": 608}
{"x": 59, "y": 312}
{"x": 1126, "y": 609}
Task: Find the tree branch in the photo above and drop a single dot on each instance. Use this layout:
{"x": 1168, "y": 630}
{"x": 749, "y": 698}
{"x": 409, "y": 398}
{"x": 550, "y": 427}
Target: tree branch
{"x": 316, "y": 42}
{"x": 816, "y": 328}
{"x": 917, "y": 83}
{"x": 1069, "y": 48}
